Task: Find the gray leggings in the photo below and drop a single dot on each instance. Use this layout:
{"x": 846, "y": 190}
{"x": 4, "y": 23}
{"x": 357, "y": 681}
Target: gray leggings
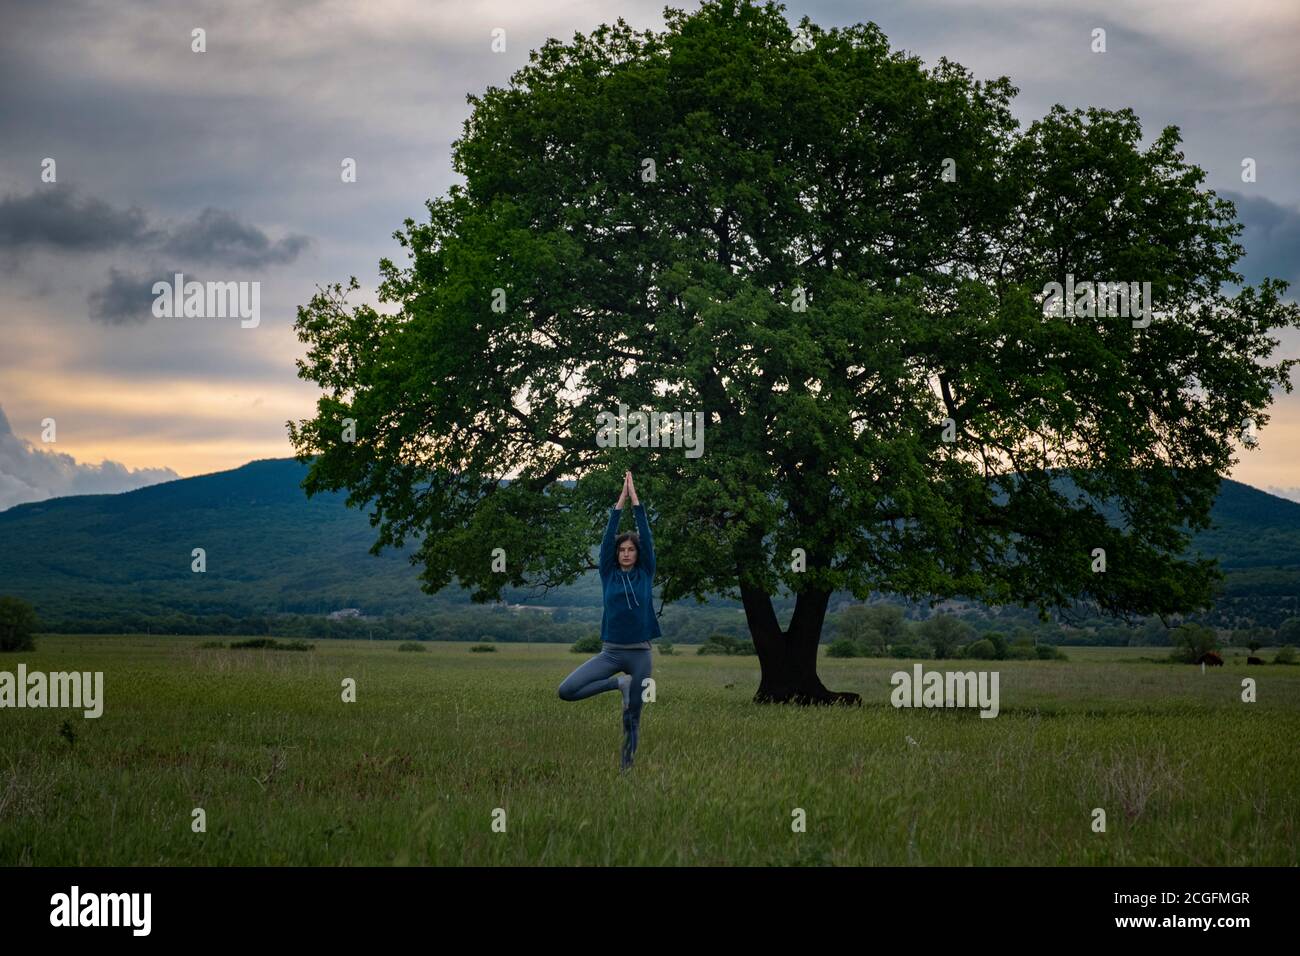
{"x": 600, "y": 674}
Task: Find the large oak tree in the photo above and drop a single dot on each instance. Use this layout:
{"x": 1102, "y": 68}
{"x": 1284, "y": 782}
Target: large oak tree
{"x": 837, "y": 255}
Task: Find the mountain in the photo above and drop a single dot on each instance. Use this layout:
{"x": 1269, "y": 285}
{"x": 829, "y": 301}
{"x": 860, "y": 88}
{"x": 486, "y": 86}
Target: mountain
{"x": 271, "y": 550}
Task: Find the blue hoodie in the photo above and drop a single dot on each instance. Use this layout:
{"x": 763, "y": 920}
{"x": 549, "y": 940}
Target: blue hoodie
{"x": 628, "y": 616}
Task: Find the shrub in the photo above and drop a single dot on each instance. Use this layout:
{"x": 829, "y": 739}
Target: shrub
{"x": 483, "y": 648}
{"x": 209, "y": 645}
{"x": 1285, "y": 655}
{"x": 1019, "y": 652}
{"x": 665, "y": 647}
{"x": 18, "y": 624}
{"x": 945, "y": 634}
{"x": 910, "y": 652}
{"x": 1192, "y": 642}
{"x": 1046, "y": 652}
{"x": 981, "y": 650}
{"x": 725, "y": 644}
{"x": 270, "y": 644}
{"x": 843, "y": 648}
{"x": 410, "y": 646}
{"x": 587, "y": 645}
{"x": 999, "y": 644}
{"x": 253, "y": 644}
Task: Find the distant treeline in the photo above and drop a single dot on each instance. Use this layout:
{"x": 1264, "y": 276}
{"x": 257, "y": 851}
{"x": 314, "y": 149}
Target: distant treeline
{"x": 681, "y": 625}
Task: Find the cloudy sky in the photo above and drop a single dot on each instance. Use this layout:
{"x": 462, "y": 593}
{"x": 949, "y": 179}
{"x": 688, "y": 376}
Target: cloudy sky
{"x": 226, "y": 164}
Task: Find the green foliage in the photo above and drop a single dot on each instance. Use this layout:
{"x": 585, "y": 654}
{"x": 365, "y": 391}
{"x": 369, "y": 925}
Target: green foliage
{"x": 910, "y": 652}
{"x": 1191, "y": 641}
{"x": 1289, "y": 631}
{"x": 983, "y": 650}
{"x": 1048, "y": 653}
{"x": 945, "y": 634}
{"x": 18, "y": 625}
{"x": 726, "y": 644}
{"x": 665, "y": 647}
{"x": 871, "y": 628}
{"x": 311, "y": 557}
{"x": 999, "y": 643}
{"x": 483, "y": 649}
{"x": 212, "y": 645}
{"x": 1285, "y": 655}
{"x": 1019, "y": 652}
{"x": 411, "y": 646}
{"x": 909, "y": 278}
{"x": 843, "y": 648}
{"x": 587, "y": 644}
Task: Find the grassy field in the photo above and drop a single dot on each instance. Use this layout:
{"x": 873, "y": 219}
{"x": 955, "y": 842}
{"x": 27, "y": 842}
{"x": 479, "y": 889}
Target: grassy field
{"x": 413, "y": 771}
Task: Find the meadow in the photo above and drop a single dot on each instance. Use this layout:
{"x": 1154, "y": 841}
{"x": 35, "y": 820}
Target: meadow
{"x": 440, "y": 744}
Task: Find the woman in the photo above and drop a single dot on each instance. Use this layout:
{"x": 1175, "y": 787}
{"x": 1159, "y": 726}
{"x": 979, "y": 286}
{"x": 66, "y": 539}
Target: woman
{"x": 628, "y": 623}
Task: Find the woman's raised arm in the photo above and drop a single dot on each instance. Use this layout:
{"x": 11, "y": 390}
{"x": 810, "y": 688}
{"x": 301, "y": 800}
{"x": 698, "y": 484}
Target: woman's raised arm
{"x": 607, "y": 557}
{"x": 646, "y": 557}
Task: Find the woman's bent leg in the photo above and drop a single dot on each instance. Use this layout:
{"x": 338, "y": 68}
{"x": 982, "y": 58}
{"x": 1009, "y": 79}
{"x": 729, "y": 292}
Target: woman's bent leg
{"x": 591, "y": 677}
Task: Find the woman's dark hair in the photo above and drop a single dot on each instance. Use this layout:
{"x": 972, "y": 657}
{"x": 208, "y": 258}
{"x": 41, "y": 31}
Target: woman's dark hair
{"x": 628, "y": 536}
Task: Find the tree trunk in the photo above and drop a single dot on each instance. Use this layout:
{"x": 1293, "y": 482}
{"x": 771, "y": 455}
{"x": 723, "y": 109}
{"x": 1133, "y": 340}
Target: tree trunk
{"x": 789, "y": 658}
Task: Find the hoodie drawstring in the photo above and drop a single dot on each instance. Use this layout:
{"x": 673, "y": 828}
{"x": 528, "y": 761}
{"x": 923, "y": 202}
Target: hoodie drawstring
{"x": 627, "y": 590}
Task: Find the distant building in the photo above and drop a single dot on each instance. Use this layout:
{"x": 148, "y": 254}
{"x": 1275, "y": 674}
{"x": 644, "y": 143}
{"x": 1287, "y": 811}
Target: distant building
{"x": 347, "y": 613}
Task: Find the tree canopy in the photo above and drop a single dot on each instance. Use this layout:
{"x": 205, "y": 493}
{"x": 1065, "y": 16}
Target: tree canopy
{"x": 837, "y": 255}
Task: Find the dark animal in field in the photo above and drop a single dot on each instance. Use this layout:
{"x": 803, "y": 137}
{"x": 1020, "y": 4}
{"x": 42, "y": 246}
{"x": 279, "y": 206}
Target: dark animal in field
{"x": 1211, "y": 658}
{"x": 1254, "y": 660}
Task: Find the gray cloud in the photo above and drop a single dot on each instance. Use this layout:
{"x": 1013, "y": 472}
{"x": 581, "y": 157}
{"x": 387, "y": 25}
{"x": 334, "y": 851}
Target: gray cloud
{"x": 218, "y": 236}
{"x": 126, "y": 298}
{"x": 1271, "y": 237}
{"x": 54, "y": 216}
{"x": 31, "y": 474}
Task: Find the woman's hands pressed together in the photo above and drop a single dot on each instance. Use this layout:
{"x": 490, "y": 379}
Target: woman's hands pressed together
{"x": 628, "y": 489}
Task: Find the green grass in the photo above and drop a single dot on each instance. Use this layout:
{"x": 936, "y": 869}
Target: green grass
{"x": 412, "y": 772}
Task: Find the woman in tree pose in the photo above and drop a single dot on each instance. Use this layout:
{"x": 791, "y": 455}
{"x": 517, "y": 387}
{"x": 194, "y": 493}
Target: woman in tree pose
{"x": 628, "y": 623}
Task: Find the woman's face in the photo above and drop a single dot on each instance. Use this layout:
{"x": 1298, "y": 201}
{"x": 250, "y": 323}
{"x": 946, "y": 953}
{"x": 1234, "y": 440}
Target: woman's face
{"x": 626, "y": 555}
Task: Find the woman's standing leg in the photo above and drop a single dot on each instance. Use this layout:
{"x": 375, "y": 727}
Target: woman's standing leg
{"x": 637, "y": 663}
{"x": 591, "y": 677}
